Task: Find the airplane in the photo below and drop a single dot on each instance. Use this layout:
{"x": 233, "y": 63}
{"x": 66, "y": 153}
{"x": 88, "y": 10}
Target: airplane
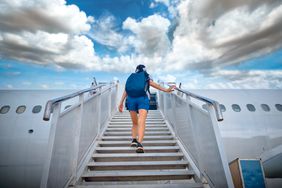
{"x": 251, "y": 129}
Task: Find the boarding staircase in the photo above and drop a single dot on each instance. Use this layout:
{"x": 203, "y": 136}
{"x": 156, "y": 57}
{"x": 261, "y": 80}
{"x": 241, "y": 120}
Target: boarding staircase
{"x": 114, "y": 162}
{"x": 89, "y": 144}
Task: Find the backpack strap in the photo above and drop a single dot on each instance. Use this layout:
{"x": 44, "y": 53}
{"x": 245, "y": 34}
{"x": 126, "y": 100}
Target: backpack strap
{"x": 147, "y": 76}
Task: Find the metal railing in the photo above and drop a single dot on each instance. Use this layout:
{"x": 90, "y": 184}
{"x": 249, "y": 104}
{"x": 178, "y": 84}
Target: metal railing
{"x": 74, "y": 131}
{"x": 49, "y": 107}
{"x": 214, "y": 103}
{"x": 197, "y": 129}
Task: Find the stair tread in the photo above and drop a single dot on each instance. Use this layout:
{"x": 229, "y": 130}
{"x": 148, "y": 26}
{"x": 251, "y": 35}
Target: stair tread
{"x": 125, "y": 132}
{"x": 130, "y": 173}
{"x": 113, "y": 138}
{"x": 168, "y": 185}
{"x": 148, "y": 118}
{"x": 137, "y": 154}
{"x": 128, "y": 117}
{"x": 129, "y": 129}
{"x": 145, "y": 141}
{"x": 130, "y": 125}
{"x": 132, "y": 148}
{"x": 168, "y": 136}
{"x": 138, "y": 163}
{"x": 146, "y": 138}
{"x": 129, "y": 122}
{"x": 148, "y": 149}
{"x": 129, "y": 133}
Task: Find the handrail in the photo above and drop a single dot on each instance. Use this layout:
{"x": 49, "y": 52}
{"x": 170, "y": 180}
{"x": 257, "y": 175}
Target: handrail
{"x": 214, "y": 103}
{"x": 49, "y": 105}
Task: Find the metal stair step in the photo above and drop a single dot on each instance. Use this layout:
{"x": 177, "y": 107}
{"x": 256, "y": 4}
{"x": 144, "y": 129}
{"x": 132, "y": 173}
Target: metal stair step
{"x": 129, "y": 133}
{"x": 148, "y": 118}
{"x": 137, "y": 175}
{"x": 155, "y": 116}
{"x": 148, "y": 149}
{"x": 130, "y": 123}
{"x": 162, "y": 185}
{"x": 138, "y": 165}
{"x": 137, "y": 157}
{"x": 146, "y": 137}
{"x": 126, "y": 113}
{"x": 129, "y": 129}
{"x": 129, "y": 120}
{"x": 144, "y": 143}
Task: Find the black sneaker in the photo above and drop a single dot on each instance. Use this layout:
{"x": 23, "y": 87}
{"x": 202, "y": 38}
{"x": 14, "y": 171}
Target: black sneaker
{"x": 134, "y": 143}
{"x": 140, "y": 148}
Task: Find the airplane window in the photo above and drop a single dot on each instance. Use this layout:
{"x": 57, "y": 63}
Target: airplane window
{"x": 222, "y": 108}
{"x": 278, "y": 107}
{"x": 4, "y": 109}
{"x": 265, "y": 107}
{"x": 251, "y": 107}
{"x": 21, "y": 109}
{"x": 36, "y": 109}
{"x": 236, "y": 107}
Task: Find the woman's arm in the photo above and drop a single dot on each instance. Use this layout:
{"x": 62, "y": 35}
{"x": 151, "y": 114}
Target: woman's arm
{"x": 124, "y": 95}
{"x": 157, "y": 86}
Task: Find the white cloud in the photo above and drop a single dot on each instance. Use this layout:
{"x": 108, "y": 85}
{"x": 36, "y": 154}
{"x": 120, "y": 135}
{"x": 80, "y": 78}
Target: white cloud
{"x": 167, "y": 78}
{"x": 227, "y": 36}
{"x": 104, "y": 32}
{"x": 234, "y": 79}
{"x": 152, "y": 5}
{"x": 150, "y": 35}
{"x": 44, "y": 32}
{"x": 52, "y": 16}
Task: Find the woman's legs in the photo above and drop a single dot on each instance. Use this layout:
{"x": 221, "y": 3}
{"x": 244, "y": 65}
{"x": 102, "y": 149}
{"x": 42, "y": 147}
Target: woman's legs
{"x": 134, "y": 120}
{"x": 141, "y": 124}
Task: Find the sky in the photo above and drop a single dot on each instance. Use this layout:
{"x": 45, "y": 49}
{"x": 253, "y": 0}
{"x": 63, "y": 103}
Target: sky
{"x": 207, "y": 44}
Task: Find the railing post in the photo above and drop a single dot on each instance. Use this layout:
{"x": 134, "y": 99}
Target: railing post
{"x": 110, "y": 101}
{"x": 77, "y": 139}
{"x": 115, "y": 98}
{"x": 173, "y": 106}
{"x": 219, "y": 141}
{"x": 45, "y": 175}
{"x": 194, "y": 130}
{"x": 165, "y": 105}
{"x": 99, "y": 110}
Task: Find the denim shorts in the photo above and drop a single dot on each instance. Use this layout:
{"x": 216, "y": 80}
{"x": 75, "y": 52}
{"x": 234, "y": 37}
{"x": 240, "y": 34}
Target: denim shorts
{"x": 137, "y": 103}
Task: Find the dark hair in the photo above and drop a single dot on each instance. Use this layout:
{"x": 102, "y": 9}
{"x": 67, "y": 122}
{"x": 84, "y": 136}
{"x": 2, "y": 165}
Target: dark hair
{"x": 140, "y": 68}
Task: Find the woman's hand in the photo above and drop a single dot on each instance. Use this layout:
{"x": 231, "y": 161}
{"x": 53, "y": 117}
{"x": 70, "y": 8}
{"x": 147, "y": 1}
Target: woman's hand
{"x": 120, "y": 107}
{"x": 171, "y": 88}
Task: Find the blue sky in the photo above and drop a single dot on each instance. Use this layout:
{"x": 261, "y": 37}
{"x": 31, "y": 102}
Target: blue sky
{"x": 205, "y": 45}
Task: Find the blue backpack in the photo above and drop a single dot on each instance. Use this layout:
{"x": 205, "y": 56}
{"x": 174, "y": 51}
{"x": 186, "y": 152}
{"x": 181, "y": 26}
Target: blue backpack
{"x": 137, "y": 84}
